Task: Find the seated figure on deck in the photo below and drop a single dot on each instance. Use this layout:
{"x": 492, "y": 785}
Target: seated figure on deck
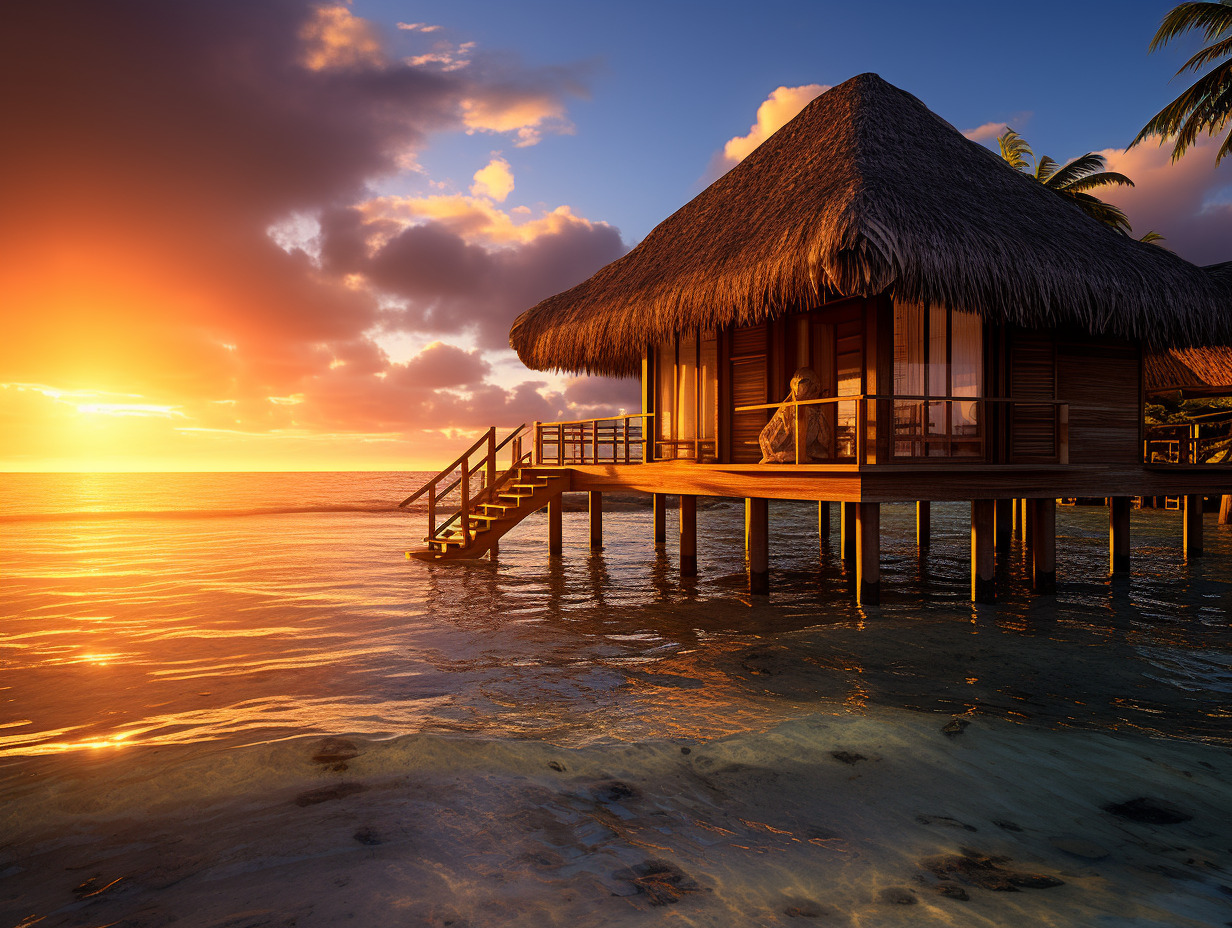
{"x": 778, "y": 438}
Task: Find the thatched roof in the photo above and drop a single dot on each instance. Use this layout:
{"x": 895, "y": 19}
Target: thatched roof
{"x": 1205, "y": 371}
{"x": 867, "y": 191}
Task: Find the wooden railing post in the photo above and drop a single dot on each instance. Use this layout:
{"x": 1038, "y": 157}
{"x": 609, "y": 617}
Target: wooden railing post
{"x": 490, "y": 464}
{"x": 594, "y": 442}
{"x": 801, "y": 450}
{"x": 536, "y": 443}
{"x": 626, "y": 435}
{"x": 466, "y": 495}
{"x": 560, "y": 445}
{"x": 515, "y": 454}
{"x": 432, "y": 509}
{"x": 861, "y": 429}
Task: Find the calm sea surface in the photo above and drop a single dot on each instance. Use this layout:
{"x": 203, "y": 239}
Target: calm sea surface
{"x": 229, "y": 699}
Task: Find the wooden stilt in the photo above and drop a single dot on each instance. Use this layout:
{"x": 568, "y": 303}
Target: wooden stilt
{"x": 823, "y": 520}
{"x": 757, "y": 523}
{"x": 596, "y": 520}
{"x": 688, "y": 536}
{"x": 983, "y": 558}
{"x": 1225, "y": 510}
{"x": 1118, "y": 535}
{"x": 1005, "y": 524}
{"x": 1043, "y": 538}
{"x": 1027, "y": 519}
{"x": 1019, "y": 517}
{"x": 660, "y": 519}
{"x": 556, "y": 534}
{"x": 868, "y": 557}
{"x": 847, "y": 533}
{"x": 1193, "y": 527}
{"x": 494, "y": 551}
{"x": 923, "y": 523}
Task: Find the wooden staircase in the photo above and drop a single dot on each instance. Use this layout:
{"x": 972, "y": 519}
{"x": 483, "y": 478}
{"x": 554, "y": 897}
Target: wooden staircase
{"x": 526, "y": 492}
{"x": 481, "y": 519}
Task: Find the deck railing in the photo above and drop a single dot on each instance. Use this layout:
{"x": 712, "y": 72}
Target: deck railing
{"x": 608, "y": 440}
{"x": 926, "y": 428}
{"x": 485, "y": 450}
{"x": 1183, "y": 444}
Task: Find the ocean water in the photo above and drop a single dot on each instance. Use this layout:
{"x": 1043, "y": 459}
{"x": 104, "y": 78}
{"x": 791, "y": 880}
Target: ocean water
{"x": 229, "y": 700}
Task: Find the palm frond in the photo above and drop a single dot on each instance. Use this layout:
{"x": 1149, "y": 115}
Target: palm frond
{"x": 1090, "y": 163}
{"x": 1151, "y": 237}
{"x": 1220, "y": 49}
{"x": 1014, "y": 149}
{"x": 1044, "y": 169}
{"x": 1102, "y": 179}
{"x": 1202, "y": 99}
{"x": 1213, "y": 19}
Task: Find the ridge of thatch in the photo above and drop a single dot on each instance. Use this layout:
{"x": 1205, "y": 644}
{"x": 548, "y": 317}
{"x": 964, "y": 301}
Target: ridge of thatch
{"x": 867, "y": 191}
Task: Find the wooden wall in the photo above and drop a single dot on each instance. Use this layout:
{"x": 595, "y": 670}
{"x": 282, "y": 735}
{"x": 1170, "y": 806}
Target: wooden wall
{"x": 1101, "y": 380}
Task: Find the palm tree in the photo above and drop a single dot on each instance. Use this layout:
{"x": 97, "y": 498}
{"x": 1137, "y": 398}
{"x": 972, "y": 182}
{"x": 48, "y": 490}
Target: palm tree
{"x": 1207, "y": 105}
{"x": 1071, "y": 180}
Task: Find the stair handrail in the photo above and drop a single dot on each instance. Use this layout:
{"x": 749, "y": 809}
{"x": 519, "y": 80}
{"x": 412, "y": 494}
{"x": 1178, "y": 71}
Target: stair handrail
{"x": 487, "y": 493}
{"x": 487, "y": 461}
{"x": 445, "y": 472}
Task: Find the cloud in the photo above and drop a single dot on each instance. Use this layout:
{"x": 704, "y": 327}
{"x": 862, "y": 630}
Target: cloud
{"x": 1186, "y": 202}
{"x": 336, "y": 38}
{"x": 455, "y": 264}
{"x": 495, "y": 180}
{"x": 776, "y": 111}
{"x": 418, "y": 27}
{"x": 185, "y": 221}
{"x": 987, "y": 132}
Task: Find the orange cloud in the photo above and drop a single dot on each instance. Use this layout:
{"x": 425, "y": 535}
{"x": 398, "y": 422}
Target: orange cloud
{"x": 1187, "y": 201}
{"x": 336, "y": 38}
{"x": 494, "y": 181}
{"x": 776, "y": 111}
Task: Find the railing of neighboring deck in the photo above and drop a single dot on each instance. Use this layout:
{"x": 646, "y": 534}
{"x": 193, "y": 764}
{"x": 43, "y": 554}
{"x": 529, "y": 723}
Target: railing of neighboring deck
{"x": 930, "y": 428}
{"x": 1185, "y": 444}
{"x": 483, "y": 452}
{"x": 610, "y": 440}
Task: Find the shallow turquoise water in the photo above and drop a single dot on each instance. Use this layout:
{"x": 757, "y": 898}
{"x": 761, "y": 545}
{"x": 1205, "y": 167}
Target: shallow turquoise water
{"x": 166, "y": 669}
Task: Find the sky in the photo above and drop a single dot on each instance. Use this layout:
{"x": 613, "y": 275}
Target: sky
{"x": 291, "y": 235}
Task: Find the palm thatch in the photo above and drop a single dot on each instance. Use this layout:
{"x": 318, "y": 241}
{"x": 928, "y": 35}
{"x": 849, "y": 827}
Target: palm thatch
{"x": 866, "y": 192}
{"x": 1204, "y": 371}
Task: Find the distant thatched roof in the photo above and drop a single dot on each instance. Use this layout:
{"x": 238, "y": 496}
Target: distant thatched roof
{"x": 867, "y": 191}
{"x": 1205, "y": 371}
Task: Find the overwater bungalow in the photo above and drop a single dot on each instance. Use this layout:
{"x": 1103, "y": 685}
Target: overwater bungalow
{"x": 870, "y": 308}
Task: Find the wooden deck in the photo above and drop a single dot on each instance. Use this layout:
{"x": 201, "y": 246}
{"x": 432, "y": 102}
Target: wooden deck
{"x": 886, "y": 483}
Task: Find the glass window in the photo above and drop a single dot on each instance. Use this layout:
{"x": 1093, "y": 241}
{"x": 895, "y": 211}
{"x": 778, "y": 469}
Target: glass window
{"x": 665, "y": 396}
{"x": 938, "y": 354}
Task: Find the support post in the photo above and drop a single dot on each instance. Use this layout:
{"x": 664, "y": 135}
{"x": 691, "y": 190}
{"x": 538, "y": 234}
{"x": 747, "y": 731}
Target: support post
{"x": 494, "y": 551}
{"x": 757, "y": 526}
{"x": 983, "y": 558}
{"x": 847, "y": 530}
{"x": 660, "y": 519}
{"x": 868, "y": 557}
{"x": 1005, "y": 524}
{"x": 923, "y": 524}
{"x": 1043, "y": 537}
{"x": 1027, "y": 526}
{"x": 688, "y": 535}
{"x": 596, "y": 520}
{"x": 1019, "y": 517}
{"x": 1225, "y": 510}
{"x": 1193, "y": 527}
{"x": 1118, "y": 536}
{"x": 823, "y": 520}
{"x": 556, "y": 534}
